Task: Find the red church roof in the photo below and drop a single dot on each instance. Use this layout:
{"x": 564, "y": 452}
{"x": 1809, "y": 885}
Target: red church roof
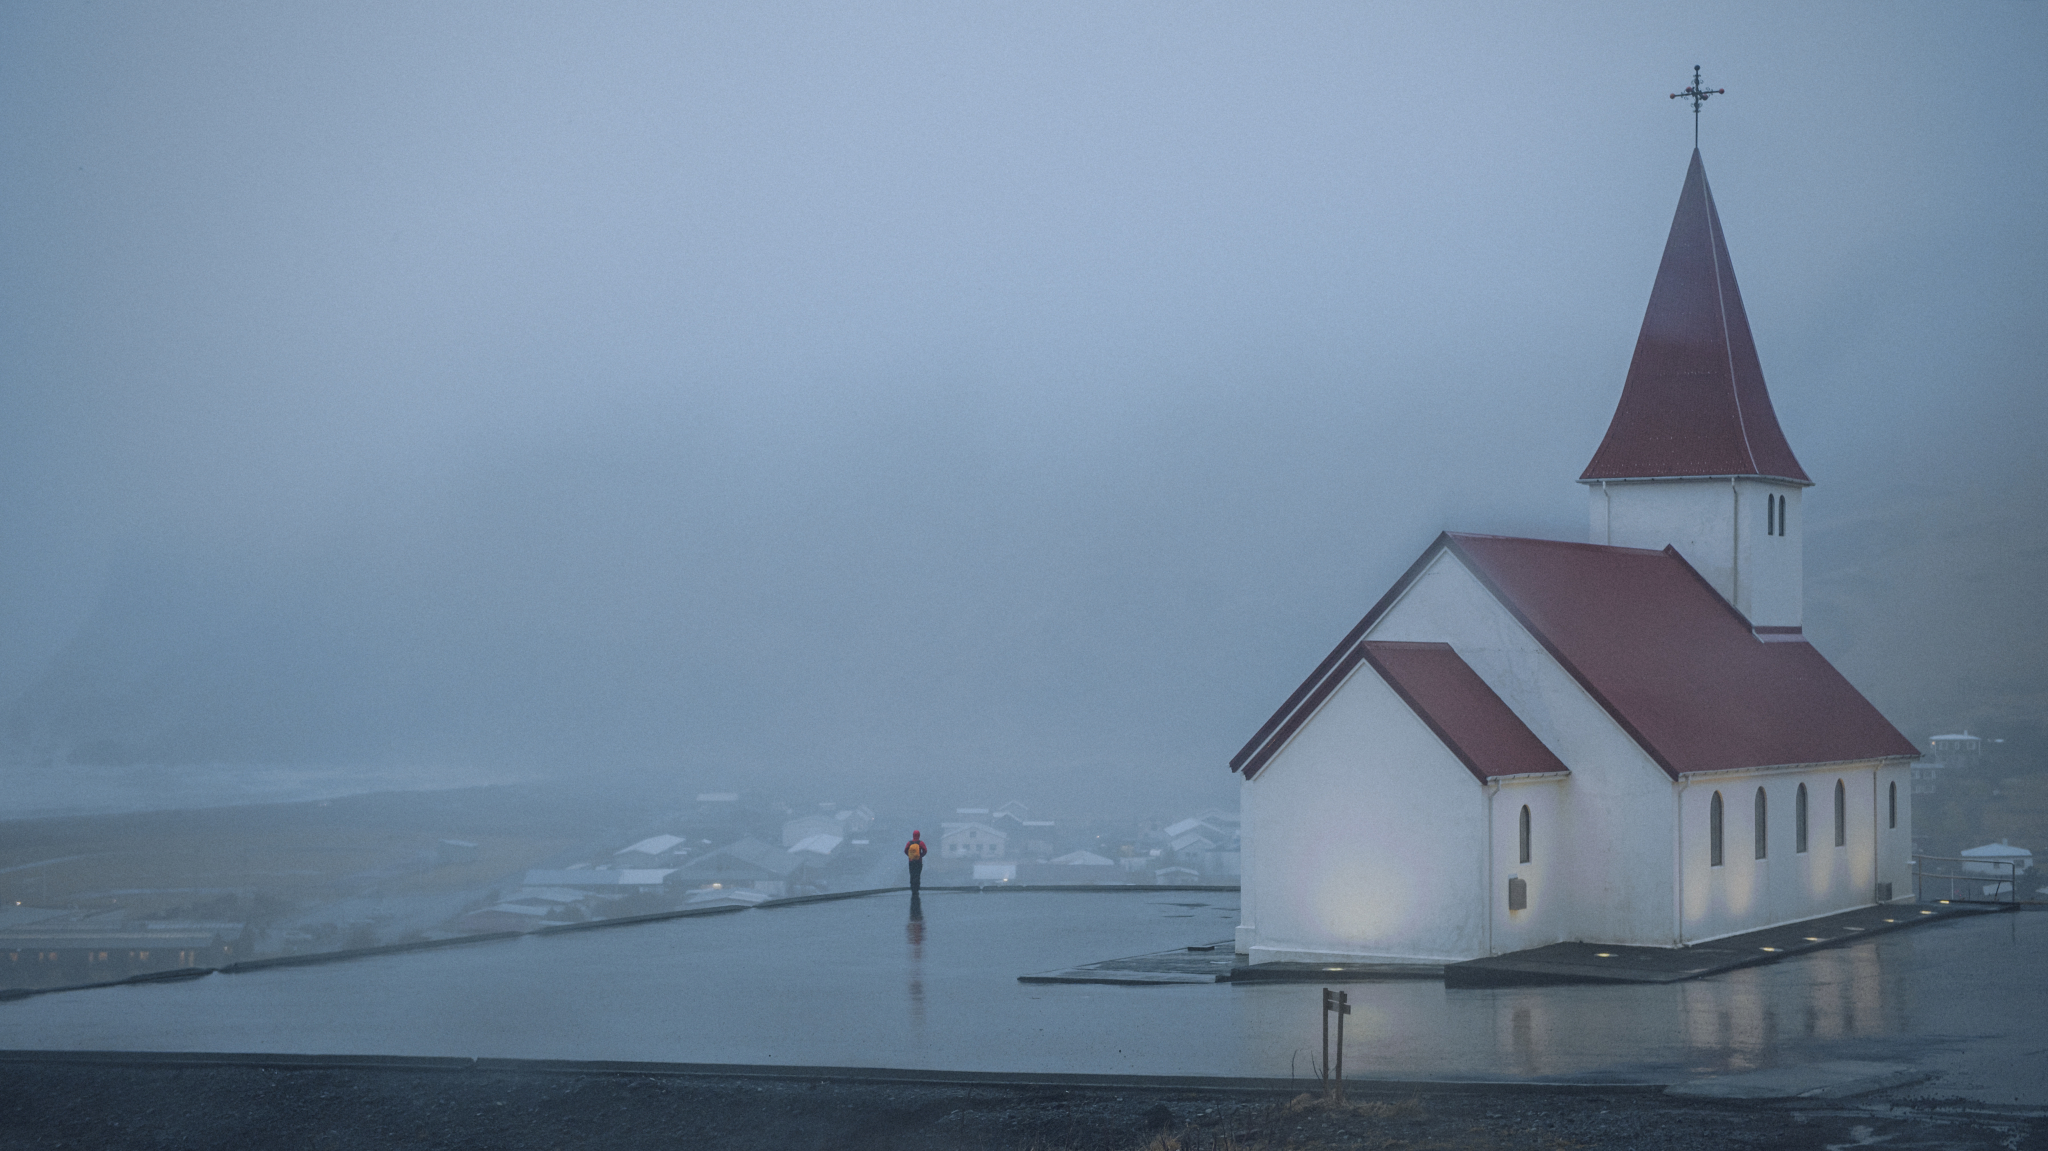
{"x": 1484, "y": 733}
{"x": 1694, "y": 403}
{"x": 1654, "y": 644}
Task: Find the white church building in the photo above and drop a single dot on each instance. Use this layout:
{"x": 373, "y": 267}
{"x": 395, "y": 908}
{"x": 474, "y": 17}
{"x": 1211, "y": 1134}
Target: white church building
{"x": 1623, "y": 741}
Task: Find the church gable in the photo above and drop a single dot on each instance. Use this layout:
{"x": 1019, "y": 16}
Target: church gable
{"x": 1463, "y": 664}
{"x": 1363, "y": 792}
{"x": 1447, "y": 695}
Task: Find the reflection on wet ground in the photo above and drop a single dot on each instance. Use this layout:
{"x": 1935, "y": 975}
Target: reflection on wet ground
{"x": 914, "y": 932}
{"x": 836, "y": 984}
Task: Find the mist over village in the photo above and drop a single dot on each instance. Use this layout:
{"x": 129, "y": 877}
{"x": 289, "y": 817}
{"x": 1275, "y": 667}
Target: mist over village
{"x": 1042, "y": 577}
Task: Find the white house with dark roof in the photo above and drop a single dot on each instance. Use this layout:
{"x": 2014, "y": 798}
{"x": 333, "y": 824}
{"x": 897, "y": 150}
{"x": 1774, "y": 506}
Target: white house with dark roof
{"x": 1625, "y": 741}
{"x": 971, "y": 840}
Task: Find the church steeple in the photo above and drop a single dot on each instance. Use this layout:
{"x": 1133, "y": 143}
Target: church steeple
{"x": 1694, "y": 457}
{"x": 1694, "y": 403}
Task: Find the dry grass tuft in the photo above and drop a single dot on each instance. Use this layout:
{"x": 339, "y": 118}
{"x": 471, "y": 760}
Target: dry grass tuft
{"x": 1309, "y": 1102}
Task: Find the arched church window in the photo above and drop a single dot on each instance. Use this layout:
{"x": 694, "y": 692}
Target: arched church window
{"x": 1763, "y": 823}
{"x": 1525, "y": 833}
{"x": 1714, "y": 830}
{"x": 1841, "y": 814}
{"x": 1894, "y": 822}
{"x": 1799, "y": 821}
{"x": 1770, "y": 515}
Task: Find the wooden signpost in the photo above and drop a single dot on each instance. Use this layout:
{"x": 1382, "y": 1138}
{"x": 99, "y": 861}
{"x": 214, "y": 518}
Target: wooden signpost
{"x": 1338, "y": 1002}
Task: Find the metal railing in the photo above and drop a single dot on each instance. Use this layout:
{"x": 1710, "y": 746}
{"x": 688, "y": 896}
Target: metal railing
{"x": 1969, "y": 886}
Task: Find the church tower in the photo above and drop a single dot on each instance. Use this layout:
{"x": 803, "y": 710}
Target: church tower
{"x": 1694, "y": 458}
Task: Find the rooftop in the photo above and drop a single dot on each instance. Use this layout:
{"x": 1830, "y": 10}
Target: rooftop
{"x": 1650, "y": 640}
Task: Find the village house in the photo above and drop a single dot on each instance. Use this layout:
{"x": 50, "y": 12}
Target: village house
{"x": 804, "y": 827}
{"x": 748, "y": 863}
{"x": 46, "y": 947}
{"x": 971, "y": 841}
{"x": 621, "y": 880}
{"x": 654, "y": 851}
{"x": 1628, "y": 740}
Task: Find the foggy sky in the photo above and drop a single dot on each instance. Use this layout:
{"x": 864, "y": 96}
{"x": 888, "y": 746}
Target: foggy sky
{"x": 946, "y": 400}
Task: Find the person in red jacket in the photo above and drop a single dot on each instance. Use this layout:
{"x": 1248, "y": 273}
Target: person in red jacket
{"x": 916, "y": 850}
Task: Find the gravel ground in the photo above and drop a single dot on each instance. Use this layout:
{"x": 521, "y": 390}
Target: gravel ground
{"x": 116, "y": 1106}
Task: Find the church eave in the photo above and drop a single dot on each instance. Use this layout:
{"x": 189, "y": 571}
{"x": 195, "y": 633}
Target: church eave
{"x": 1799, "y": 481}
{"x": 1707, "y": 773}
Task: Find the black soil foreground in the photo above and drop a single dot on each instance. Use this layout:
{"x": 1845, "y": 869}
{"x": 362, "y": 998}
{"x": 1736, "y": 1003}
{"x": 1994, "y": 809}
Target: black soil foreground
{"x": 357, "y": 1109}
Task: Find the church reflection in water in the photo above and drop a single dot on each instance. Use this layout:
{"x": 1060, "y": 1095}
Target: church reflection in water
{"x": 1828, "y": 1003}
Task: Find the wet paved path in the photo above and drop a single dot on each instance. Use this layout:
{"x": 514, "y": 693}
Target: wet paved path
{"x": 1615, "y": 963}
{"x": 860, "y": 983}
{"x": 1196, "y": 963}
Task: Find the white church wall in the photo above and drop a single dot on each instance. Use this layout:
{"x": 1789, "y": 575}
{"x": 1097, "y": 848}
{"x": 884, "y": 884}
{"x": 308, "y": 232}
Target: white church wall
{"x": 1721, "y": 527}
{"x": 1745, "y": 893}
{"x": 1695, "y": 516}
{"x": 1366, "y": 839}
{"x": 1247, "y": 866}
{"x": 1609, "y": 874}
{"x": 1549, "y": 876}
{"x": 1895, "y": 837}
{"x": 1770, "y": 568}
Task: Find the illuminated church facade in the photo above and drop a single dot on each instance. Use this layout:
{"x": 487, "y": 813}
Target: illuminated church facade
{"x": 1625, "y": 741}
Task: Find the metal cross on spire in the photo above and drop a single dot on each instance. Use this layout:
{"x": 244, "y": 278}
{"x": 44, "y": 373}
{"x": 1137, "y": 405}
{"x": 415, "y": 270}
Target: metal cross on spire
{"x": 1698, "y": 95}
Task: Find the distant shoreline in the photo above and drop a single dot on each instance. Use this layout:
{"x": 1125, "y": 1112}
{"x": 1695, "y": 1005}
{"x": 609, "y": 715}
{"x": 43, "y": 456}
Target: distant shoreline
{"x": 73, "y": 791}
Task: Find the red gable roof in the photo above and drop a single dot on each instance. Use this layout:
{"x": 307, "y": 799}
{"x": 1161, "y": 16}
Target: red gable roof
{"x": 1486, "y": 736}
{"x": 1652, "y": 642}
{"x": 1694, "y": 403}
